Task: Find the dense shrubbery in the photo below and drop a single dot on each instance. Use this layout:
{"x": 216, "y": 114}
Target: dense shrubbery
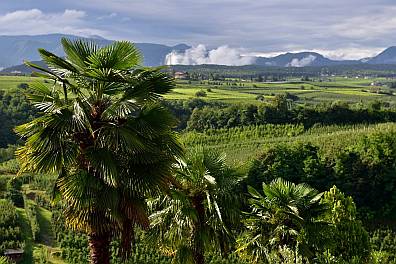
{"x": 297, "y": 218}
{"x": 365, "y": 170}
{"x": 10, "y": 232}
{"x": 183, "y": 109}
{"x": 14, "y": 110}
{"x": 7, "y": 153}
{"x": 14, "y": 193}
{"x": 74, "y": 245}
{"x": 383, "y": 243}
{"x": 281, "y": 112}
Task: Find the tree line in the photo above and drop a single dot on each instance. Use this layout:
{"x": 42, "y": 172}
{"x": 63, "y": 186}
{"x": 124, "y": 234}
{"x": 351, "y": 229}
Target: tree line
{"x": 200, "y": 116}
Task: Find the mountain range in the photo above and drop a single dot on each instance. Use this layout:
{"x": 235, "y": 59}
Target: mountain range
{"x": 15, "y": 49}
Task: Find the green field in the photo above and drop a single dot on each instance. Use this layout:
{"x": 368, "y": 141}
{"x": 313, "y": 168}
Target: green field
{"x": 12, "y": 82}
{"x": 350, "y": 90}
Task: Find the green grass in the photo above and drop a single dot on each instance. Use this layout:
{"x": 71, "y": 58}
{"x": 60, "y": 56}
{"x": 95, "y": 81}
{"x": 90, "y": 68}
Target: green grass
{"x": 12, "y": 82}
{"x": 215, "y": 94}
{"x": 27, "y": 237}
{"x": 46, "y": 244}
{"x": 350, "y": 90}
{"x": 44, "y": 220}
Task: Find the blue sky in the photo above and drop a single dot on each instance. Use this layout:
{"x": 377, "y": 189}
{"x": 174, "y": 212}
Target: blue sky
{"x": 337, "y": 28}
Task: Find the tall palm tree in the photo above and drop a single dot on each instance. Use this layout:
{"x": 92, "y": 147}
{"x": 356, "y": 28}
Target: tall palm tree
{"x": 198, "y": 212}
{"x": 279, "y": 216}
{"x": 104, "y": 133}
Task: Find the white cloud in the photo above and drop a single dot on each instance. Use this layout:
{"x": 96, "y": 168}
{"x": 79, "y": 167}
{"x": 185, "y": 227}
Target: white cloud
{"x": 109, "y": 16}
{"x": 306, "y": 61}
{"x": 35, "y": 21}
{"x": 223, "y": 55}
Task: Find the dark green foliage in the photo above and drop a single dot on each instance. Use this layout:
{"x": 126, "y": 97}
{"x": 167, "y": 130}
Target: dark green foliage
{"x": 14, "y": 192}
{"x": 10, "y": 232}
{"x": 384, "y": 240}
{"x": 281, "y": 214}
{"x": 365, "y": 170}
{"x": 297, "y": 163}
{"x": 347, "y": 239}
{"x": 7, "y": 153}
{"x": 183, "y": 109}
{"x": 23, "y": 86}
{"x": 14, "y": 110}
{"x": 198, "y": 214}
{"x": 74, "y": 245}
{"x": 282, "y": 111}
{"x": 201, "y": 93}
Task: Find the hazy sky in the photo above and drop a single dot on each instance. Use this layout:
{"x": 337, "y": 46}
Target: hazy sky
{"x": 337, "y": 28}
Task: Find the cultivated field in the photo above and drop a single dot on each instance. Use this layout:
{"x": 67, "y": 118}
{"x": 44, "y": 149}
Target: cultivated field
{"x": 242, "y": 91}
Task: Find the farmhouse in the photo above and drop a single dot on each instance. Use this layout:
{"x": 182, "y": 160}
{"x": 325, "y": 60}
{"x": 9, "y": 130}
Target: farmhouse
{"x": 181, "y": 75}
{"x": 14, "y": 254}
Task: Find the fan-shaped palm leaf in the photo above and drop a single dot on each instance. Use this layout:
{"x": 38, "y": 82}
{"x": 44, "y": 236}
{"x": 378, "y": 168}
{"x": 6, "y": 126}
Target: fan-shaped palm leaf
{"x": 105, "y": 135}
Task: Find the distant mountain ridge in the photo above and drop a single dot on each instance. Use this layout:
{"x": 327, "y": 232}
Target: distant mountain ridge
{"x": 15, "y": 49}
{"x": 388, "y": 56}
{"x": 301, "y": 59}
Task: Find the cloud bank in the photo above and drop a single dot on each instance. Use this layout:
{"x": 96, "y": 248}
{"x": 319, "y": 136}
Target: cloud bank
{"x": 35, "y": 21}
{"x": 222, "y": 55}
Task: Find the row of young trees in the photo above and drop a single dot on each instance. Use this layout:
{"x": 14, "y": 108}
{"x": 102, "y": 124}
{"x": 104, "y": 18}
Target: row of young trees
{"x": 111, "y": 144}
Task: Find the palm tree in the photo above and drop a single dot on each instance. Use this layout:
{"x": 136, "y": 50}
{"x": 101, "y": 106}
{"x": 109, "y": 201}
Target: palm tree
{"x": 106, "y": 136}
{"x": 281, "y": 217}
{"x": 198, "y": 212}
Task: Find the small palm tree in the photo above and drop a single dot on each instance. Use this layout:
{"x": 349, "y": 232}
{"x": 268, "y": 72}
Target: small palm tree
{"x": 105, "y": 135}
{"x": 278, "y": 218}
{"x": 198, "y": 212}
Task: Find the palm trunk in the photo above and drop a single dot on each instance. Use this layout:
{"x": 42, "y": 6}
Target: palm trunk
{"x": 100, "y": 248}
{"x": 198, "y": 256}
{"x": 127, "y": 239}
{"x": 198, "y": 250}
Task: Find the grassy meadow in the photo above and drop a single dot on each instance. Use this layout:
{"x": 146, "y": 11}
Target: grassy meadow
{"x": 243, "y": 91}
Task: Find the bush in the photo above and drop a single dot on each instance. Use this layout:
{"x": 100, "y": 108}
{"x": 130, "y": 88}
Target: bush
{"x": 348, "y": 237}
{"x": 383, "y": 242}
{"x": 14, "y": 192}
{"x": 24, "y": 86}
{"x": 200, "y": 93}
{"x": 260, "y": 97}
{"x": 10, "y": 231}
